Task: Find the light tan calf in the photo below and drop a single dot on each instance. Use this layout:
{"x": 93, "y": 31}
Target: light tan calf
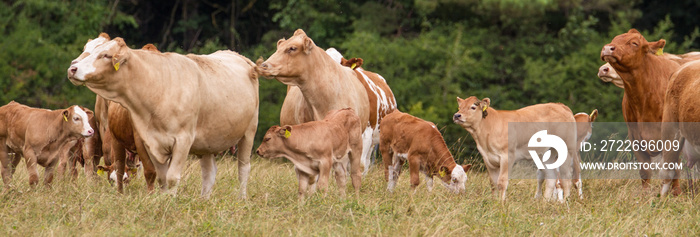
{"x": 316, "y": 147}
{"x": 489, "y": 128}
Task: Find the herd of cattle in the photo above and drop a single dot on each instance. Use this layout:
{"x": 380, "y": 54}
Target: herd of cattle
{"x": 166, "y": 106}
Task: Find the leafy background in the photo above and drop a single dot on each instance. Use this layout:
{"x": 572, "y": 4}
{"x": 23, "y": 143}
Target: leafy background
{"x": 515, "y": 52}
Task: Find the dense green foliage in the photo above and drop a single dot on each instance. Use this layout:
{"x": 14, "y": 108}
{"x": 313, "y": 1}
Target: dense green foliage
{"x": 516, "y": 52}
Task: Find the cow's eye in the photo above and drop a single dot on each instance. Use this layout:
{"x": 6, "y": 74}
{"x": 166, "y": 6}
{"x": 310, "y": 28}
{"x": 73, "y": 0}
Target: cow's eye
{"x": 635, "y": 44}
{"x": 107, "y": 56}
{"x": 473, "y": 107}
{"x": 266, "y": 139}
{"x": 76, "y": 119}
{"x": 454, "y": 180}
{"x": 292, "y": 49}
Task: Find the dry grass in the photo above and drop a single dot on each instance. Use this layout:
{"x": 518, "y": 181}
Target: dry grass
{"x": 92, "y": 208}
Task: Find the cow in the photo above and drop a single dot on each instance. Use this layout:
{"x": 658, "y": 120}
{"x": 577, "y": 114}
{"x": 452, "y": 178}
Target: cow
{"x": 323, "y": 83}
{"x": 645, "y": 73}
{"x": 84, "y": 149}
{"x": 608, "y": 74}
{"x": 381, "y": 98}
{"x": 316, "y": 147}
{"x": 407, "y": 138}
{"x": 584, "y": 130}
{"x": 41, "y": 136}
{"x": 680, "y": 123}
{"x": 179, "y": 104}
{"x": 489, "y": 128}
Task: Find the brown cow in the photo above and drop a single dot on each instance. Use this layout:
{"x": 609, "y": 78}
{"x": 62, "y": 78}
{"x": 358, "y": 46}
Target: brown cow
{"x": 316, "y": 147}
{"x": 83, "y": 150}
{"x": 42, "y": 136}
{"x": 681, "y": 123}
{"x": 179, "y": 104}
{"x": 489, "y": 128}
{"x": 324, "y": 84}
{"x": 645, "y": 77}
{"x": 407, "y": 138}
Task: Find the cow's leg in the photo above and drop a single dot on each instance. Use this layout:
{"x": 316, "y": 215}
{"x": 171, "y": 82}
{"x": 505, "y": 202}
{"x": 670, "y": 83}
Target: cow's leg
{"x": 502, "y": 183}
{"x": 6, "y": 161}
{"x": 387, "y": 159}
{"x": 303, "y": 183}
{"x": 429, "y": 182}
{"x": 340, "y": 176}
{"x": 149, "y": 170}
{"x": 119, "y": 158}
{"x": 670, "y": 176}
{"x": 550, "y": 184}
{"x": 208, "y": 174}
{"x": 394, "y": 172}
{"x": 180, "y": 150}
{"x": 366, "y": 149}
{"x": 324, "y": 168}
{"x": 540, "y": 180}
{"x": 414, "y": 170}
{"x": 48, "y": 173}
{"x": 356, "y": 167}
{"x": 30, "y": 160}
{"x": 245, "y": 146}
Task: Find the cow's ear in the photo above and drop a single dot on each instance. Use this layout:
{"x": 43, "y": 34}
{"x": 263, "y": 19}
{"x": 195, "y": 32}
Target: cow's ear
{"x": 308, "y": 45}
{"x": 357, "y": 63}
{"x": 66, "y": 114}
{"x": 466, "y": 167}
{"x": 121, "y": 56}
{"x": 633, "y": 31}
{"x": 299, "y": 32}
{"x": 104, "y": 35}
{"x": 657, "y": 47}
{"x": 280, "y": 41}
{"x": 485, "y": 103}
{"x": 593, "y": 115}
{"x": 444, "y": 171}
{"x": 101, "y": 170}
{"x": 459, "y": 100}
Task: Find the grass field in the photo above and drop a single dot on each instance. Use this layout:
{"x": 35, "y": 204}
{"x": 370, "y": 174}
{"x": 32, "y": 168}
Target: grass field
{"x": 94, "y": 208}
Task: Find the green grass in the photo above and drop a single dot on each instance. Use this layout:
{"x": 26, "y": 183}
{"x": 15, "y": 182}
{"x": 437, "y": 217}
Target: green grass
{"x": 94, "y": 208}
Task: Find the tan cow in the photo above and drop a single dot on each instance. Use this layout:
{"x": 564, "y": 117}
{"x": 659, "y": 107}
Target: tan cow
{"x": 608, "y": 74}
{"x": 316, "y": 147}
{"x": 681, "y": 122}
{"x": 645, "y": 77}
{"x": 84, "y": 149}
{"x": 407, "y": 138}
{"x": 179, "y": 104}
{"x": 42, "y": 136}
{"x": 324, "y": 84}
{"x": 489, "y": 128}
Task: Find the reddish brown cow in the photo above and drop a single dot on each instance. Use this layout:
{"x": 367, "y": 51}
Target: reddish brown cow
{"x": 42, "y": 136}
{"x": 407, "y": 138}
{"x": 645, "y": 77}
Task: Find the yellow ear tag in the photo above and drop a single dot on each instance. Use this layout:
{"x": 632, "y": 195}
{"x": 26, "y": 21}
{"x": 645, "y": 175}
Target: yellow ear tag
{"x": 660, "y": 52}
{"x": 485, "y": 107}
{"x": 100, "y": 172}
{"x": 353, "y": 66}
{"x": 116, "y": 67}
{"x": 65, "y": 118}
{"x": 287, "y": 133}
{"x": 442, "y": 173}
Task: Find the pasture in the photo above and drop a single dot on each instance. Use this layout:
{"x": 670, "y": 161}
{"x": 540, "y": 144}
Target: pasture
{"x": 94, "y": 208}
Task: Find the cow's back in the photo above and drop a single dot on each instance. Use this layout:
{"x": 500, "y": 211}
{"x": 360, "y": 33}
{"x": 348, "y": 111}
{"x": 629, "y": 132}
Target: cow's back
{"x": 399, "y": 130}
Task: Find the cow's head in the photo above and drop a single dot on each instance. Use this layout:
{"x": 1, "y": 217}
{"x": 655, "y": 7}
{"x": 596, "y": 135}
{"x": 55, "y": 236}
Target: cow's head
{"x": 104, "y": 59}
{"x": 76, "y": 120}
{"x": 584, "y": 125}
{"x": 627, "y": 51}
{"x": 607, "y": 73}
{"x": 111, "y": 172}
{"x": 454, "y": 179}
{"x": 471, "y": 111}
{"x": 274, "y": 139}
{"x": 293, "y": 58}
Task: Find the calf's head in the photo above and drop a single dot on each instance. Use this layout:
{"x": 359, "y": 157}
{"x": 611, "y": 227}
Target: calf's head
{"x": 76, "y": 120}
{"x": 273, "y": 141}
{"x": 293, "y": 58}
{"x": 627, "y": 51}
{"x": 471, "y": 111}
{"x": 99, "y": 61}
{"x": 454, "y": 179}
{"x": 607, "y": 73}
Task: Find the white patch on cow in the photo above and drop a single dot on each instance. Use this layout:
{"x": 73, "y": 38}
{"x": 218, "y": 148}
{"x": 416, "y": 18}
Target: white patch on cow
{"x": 366, "y": 151}
{"x": 383, "y": 103}
{"x": 86, "y": 65}
{"x": 335, "y": 55}
{"x": 93, "y": 44}
{"x": 394, "y": 170}
{"x": 113, "y": 176}
{"x": 86, "y": 124}
{"x": 460, "y": 177}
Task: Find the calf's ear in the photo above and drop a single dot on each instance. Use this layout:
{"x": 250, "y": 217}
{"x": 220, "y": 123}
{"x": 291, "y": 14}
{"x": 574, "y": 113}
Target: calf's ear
{"x": 443, "y": 171}
{"x": 66, "y": 114}
{"x": 466, "y": 167}
{"x": 593, "y": 115}
{"x": 308, "y": 45}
